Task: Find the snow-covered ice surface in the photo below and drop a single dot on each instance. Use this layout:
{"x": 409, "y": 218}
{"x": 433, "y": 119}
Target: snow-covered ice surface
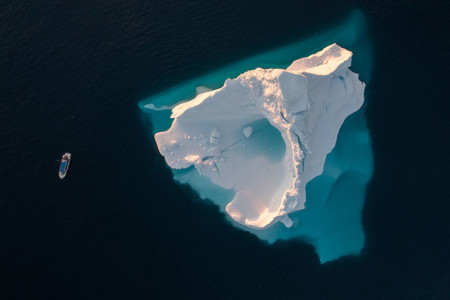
{"x": 252, "y": 145}
{"x": 307, "y": 103}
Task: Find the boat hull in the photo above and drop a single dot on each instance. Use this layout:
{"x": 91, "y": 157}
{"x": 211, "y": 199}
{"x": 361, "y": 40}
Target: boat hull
{"x": 64, "y": 166}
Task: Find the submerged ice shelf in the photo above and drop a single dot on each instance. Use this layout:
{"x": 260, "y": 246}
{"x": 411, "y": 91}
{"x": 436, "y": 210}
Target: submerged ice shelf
{"x": 254, "y": 144}
{"x": 307, "y": 103}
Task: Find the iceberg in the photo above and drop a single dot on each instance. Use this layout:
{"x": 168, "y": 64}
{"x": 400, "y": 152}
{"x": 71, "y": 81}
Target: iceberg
{"x": 276, "y": 201}
{"x": 306, "y": 102}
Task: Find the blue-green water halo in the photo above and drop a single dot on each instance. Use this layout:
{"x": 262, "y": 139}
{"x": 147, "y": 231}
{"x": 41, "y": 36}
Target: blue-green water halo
{"x": 331, "y": 221}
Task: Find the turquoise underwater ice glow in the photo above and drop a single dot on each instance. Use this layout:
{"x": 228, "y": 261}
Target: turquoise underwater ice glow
{"x": 331, "y": 221}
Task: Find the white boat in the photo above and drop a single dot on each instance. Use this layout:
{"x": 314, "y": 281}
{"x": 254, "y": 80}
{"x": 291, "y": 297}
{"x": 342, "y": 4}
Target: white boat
{"x": 64, "y": 166}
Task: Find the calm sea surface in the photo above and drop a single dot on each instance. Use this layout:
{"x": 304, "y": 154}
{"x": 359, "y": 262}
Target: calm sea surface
{"x": 71, "y": 75}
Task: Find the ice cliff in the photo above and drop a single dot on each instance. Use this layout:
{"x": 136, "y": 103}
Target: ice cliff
{"x": 227, "y": 134}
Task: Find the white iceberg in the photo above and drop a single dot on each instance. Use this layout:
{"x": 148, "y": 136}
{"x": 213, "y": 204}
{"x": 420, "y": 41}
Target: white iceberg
{"x": 217, "y": 133}
{"x": 247, "y": 131}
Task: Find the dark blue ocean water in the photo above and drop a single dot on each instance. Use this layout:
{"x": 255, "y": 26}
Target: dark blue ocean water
{"x": 71, "y": 75}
